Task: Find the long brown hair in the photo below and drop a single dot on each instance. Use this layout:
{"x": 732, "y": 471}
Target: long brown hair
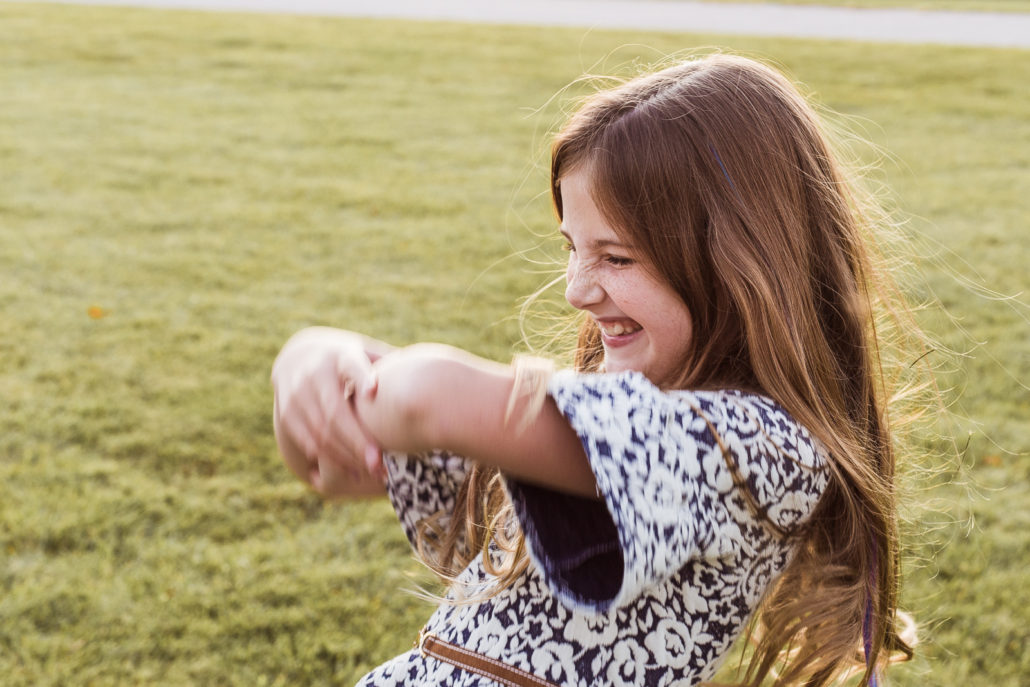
{"x": 720, "y": 175}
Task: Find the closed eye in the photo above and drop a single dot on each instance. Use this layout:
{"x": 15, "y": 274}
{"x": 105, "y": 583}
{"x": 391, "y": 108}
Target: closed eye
{"x": 618, "y": 260}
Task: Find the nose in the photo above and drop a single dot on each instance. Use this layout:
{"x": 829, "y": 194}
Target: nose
{"x": 581, "y": 287}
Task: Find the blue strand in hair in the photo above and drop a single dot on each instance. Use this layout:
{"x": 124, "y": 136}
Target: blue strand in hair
{"x": 726, "y": 174}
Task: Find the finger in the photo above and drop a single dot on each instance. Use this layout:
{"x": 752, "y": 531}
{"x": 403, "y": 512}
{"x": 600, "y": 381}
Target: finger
{"x": 294, "y": 433}
{"x": 330, "y": 399}
{"x": 340, "y": 448}
{"x": 323, "y": 396}
{"x": 335, "y": 480}
{"x": 346, "y": 439}
{"x": 371, "y": 386}
{"x": 289, "y": 393}
{"x": 292, "y": 453}
{"x": 314, "y": 477}
{"x": 352, "y": 363}
{"x": 304, "y": 424}
{"x": 374, "y": 462}
{"x": 310, "y": 399}
{"x": 339, "y": 481}
{"x": 351, "y": 444}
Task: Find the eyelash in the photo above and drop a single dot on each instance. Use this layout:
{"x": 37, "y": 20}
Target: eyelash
{"x": 614, "y": 260}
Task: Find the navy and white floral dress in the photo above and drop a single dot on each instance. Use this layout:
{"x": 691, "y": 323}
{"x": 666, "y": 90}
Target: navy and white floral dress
{"x": 651, "y": 584}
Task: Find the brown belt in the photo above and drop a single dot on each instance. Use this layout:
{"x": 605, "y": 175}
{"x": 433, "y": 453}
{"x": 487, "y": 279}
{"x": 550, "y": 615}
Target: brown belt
{"x": 431, "y": 645}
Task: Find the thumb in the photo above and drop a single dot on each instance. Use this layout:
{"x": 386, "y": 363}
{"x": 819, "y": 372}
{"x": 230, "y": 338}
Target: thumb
{"x": 352, "y": 364}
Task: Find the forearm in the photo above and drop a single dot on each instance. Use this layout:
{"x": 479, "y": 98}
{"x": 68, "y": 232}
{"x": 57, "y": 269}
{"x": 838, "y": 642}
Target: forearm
{"x": 434, "y": 396}
{"x": 373, "y": 348}
{"x": 419, "y": 396}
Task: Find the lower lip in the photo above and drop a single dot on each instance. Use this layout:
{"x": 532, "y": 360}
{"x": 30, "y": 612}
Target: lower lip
{"x": 611, "y": 341}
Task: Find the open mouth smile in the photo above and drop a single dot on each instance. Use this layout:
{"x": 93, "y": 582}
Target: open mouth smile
{"x": 619, "y": 328}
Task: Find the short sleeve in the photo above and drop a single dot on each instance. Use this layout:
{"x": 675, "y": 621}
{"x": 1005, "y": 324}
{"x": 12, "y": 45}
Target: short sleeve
{"x": 667, "y": 494}
{"x": 423, "y": 485}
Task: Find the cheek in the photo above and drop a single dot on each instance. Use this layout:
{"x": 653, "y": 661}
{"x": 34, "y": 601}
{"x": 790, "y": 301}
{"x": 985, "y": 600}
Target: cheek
{"x": 639, "y": 299}
{"x": 683, "y": 332}
{"x": 680, "y": 327}
{"x": 667, "y": 312}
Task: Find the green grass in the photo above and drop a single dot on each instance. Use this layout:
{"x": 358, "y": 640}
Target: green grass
{"x": 961, "y": 5}
{"x": 215, "y": 182}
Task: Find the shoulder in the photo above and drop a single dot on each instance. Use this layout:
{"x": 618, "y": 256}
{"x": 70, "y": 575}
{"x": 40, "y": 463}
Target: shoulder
{"x": 747, "y": 420}
{"x": 730, "y": 439}
{"x": 774, "y": 461}
{"x": 622, "y": 400}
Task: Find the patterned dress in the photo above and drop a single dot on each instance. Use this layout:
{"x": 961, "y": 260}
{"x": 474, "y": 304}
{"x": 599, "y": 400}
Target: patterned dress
{"x": 651, "y": 583}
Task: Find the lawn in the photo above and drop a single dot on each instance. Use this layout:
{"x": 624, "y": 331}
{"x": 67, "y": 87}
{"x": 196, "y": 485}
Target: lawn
{"x": 182, "y": 191}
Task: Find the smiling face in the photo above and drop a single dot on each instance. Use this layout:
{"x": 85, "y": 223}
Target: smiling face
{"x": 645, "y": 325}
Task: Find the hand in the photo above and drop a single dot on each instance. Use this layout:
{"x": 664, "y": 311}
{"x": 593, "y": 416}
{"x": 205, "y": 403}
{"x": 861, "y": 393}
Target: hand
{"x": 320, "y": 438}
{"x": 348, "y": 437}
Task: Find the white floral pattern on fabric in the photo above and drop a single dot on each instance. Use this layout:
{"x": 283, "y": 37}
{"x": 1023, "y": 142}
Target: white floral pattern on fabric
{"x": 424, "y": 485}
{"x": 651, "y": 584}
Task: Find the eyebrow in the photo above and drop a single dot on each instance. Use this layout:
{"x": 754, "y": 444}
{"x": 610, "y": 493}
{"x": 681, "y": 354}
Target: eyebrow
{"x": 599, "y": 243}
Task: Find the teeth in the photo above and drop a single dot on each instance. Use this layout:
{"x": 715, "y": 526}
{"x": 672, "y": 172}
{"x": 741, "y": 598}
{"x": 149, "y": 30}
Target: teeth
{"x": 618, "y": 328}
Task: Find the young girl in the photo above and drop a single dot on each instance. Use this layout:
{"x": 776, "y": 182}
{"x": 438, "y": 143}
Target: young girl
{"x": 720, "y": 453}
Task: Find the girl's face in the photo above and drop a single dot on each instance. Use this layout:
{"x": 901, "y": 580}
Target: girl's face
{"x": 644, "y": 324}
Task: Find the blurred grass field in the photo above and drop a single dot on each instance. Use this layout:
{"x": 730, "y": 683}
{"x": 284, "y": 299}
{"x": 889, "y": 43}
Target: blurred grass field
{"x": 182, "y": 191}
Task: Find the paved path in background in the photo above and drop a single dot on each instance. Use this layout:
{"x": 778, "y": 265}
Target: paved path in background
{"x": 890, "y": 25}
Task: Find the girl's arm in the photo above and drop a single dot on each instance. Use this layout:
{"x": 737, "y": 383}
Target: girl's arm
{"x": 430, "y": 396}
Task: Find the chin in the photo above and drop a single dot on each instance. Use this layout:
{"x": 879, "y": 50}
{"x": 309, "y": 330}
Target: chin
{"x": 615, "y": 367}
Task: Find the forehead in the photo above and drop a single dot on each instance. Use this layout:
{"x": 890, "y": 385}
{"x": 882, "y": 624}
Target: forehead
{"x": 582, "y": 219}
